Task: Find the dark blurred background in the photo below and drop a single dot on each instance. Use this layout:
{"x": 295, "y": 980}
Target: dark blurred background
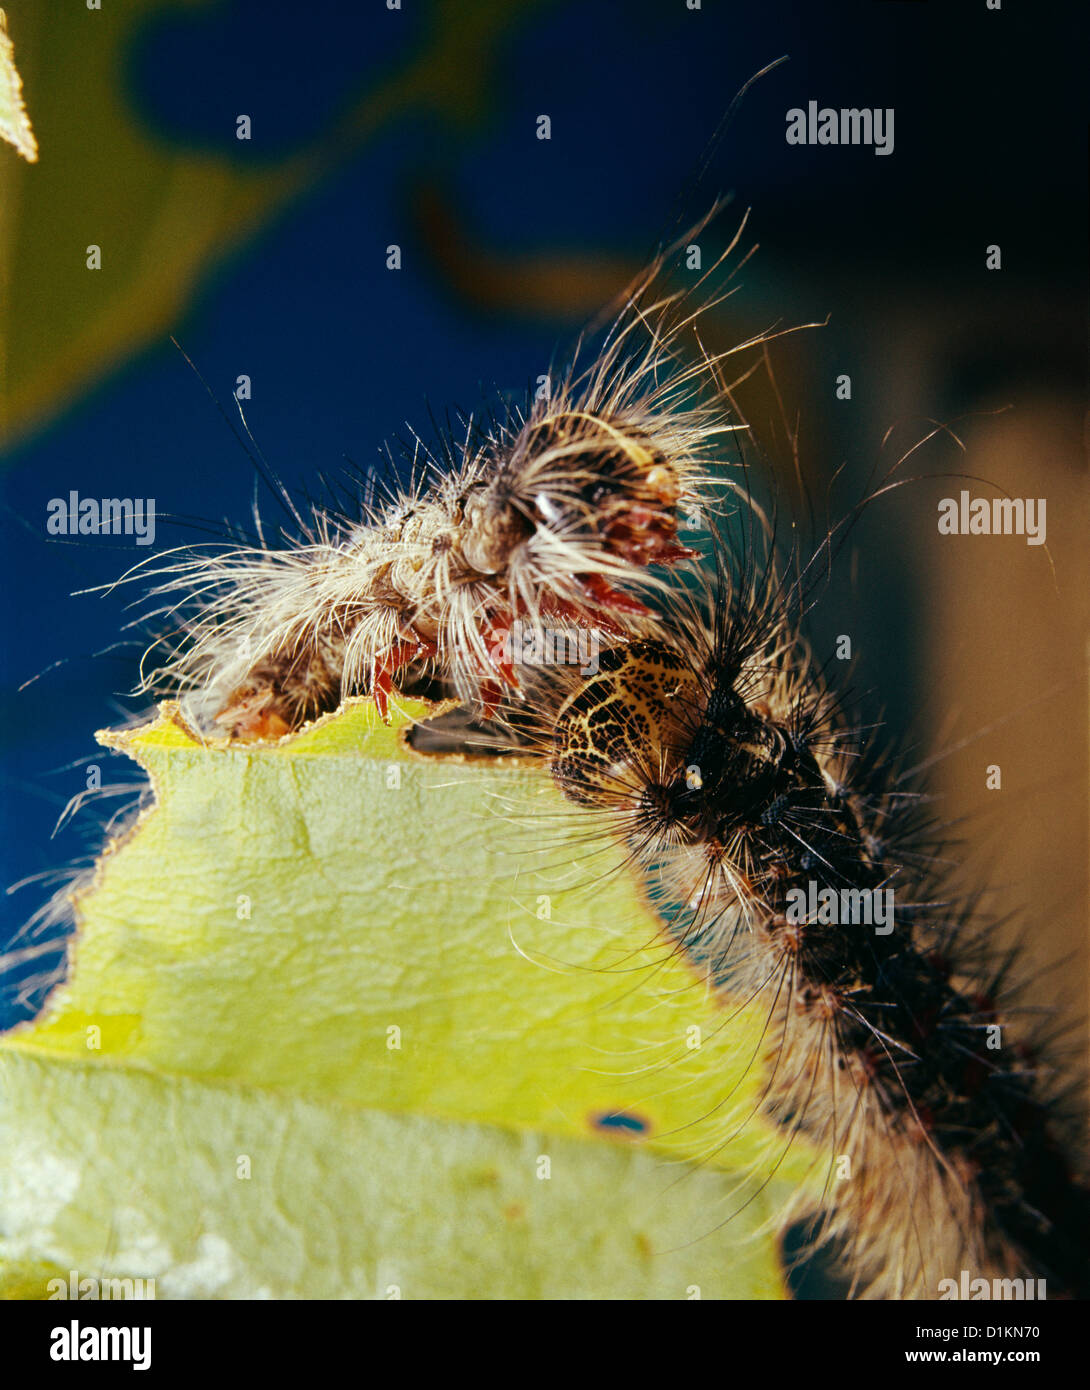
{"x": 267, "y": 258}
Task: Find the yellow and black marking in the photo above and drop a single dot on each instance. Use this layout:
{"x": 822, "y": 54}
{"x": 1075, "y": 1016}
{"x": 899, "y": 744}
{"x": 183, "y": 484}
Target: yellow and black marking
{"x": 630, "y": 717}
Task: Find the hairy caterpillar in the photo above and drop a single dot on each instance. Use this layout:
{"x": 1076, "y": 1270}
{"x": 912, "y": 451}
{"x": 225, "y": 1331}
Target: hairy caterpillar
{"x": 735, "y": 778}
{"x": 555, "y": 511}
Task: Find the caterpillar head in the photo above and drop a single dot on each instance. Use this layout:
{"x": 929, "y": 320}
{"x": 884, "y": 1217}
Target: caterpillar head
{"x": 625, "y": 727}
{"x": 682, "y": 752}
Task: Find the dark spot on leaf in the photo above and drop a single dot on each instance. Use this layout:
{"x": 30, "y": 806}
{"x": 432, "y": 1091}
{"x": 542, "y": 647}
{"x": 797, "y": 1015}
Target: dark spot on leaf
{"x": 620, "y": 1122}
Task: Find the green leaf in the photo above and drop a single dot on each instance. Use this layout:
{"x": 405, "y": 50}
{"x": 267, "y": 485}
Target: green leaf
{"x": 343, "y": 1018}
